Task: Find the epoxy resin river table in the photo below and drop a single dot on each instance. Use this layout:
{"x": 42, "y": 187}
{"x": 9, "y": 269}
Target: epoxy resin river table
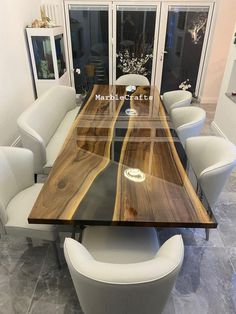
{"x": 121, "y": 165}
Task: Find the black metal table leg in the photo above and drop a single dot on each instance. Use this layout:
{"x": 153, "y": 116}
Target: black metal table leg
{"x": 73, "y": 232}
{"x": 82, "y": 227}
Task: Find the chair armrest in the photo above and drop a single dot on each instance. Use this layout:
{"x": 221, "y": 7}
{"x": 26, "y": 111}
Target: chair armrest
{"x": 21, "y": 163}
{"x": 180, "y": 104}
{"x": 34, "y": 142}
{"x": 79, "y": 260}
{"x": 17, "y": 174}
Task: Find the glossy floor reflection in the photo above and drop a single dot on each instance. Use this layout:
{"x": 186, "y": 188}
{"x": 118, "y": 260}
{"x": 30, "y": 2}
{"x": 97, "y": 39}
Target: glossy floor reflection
{"x": 30, "y": 281}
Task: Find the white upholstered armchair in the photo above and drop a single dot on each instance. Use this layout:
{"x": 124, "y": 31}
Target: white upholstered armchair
{"x": 18, "y": 193}
{"x": 212, "y": 158}
{"x": 120, "y": 269}
{"x": 132, "y": 79}
{"x": 187, "y": 121}
{"x": 45, "y": 124}
{"x": 176, "y": 99}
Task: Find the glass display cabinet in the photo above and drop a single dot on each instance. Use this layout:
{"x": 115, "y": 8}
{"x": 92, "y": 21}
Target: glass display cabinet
{"x": 48, "y": 59}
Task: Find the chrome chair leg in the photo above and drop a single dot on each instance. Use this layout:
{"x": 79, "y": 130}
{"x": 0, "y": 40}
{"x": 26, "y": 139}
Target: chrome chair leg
{"x": 54, "y": 244}
{"x": 207, "y": 231}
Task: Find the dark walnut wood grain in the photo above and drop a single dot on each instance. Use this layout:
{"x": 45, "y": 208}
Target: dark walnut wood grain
{"x": 79, "y": 162}
{"x": 166, "y": 196}
{"x": 87, "y": 184}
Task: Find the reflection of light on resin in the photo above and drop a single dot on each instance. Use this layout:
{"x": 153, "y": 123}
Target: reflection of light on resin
{"x": 131, "y": 112}
{"x": 134, "y": 174}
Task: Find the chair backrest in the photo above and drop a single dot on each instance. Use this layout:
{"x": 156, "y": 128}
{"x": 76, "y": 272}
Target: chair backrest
{"x": 138, "y": 288}
{"x": 47, "y": 112}
{"x": 187, "y": 121}
{"x": 16, "y": 174}
{"x": 133, "y": 79}
{"x": 213, "y": 159}
{"x": 176, "y": 99}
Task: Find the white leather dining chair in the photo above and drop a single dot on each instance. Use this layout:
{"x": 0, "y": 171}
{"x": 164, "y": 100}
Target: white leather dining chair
{"x": 18, "y": 193}
{"x": 212, "y": 159}
{"x": 120, "y": 269}
{"x": 45, "y": 124}
{"x": 187, "y": 121}
{"x": 133, "y": 79}
{"x": 176, "y": 99}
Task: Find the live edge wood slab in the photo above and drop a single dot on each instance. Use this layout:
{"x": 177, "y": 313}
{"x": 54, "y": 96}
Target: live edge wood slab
{"x": 87, "y": 184}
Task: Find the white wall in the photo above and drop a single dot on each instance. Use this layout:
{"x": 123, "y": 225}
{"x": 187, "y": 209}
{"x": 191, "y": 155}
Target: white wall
{"x": 16, "y": 87}
{"x": 219, "y": 48}
{"x": 225, "y": 117}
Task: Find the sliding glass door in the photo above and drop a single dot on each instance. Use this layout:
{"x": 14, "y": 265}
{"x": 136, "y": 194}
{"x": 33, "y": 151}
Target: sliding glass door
{"x": 108, "y": 39}
{"x": 182, "y": 46}
{"x": 89, "y": 49}
{"x": 134, "y": 36}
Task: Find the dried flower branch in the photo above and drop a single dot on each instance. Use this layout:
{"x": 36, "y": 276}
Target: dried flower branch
{"x": 131, "y": 64}
{"x": 198, "y": 24}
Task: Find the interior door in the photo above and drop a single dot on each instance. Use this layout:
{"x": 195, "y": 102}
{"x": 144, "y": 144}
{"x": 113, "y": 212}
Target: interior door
{"x": 89, "y": 43}
{"x": 184, "y": 30}
{"x": 135, "y": 30}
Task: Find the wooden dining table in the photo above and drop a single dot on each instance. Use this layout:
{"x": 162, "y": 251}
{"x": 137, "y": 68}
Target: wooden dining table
{"x": 122, "y": 164}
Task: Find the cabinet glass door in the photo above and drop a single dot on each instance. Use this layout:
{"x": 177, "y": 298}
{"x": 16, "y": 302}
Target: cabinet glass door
{"x": 43, "y": 57}
{"x": 134, "y": 34}
{"x": 60, "y": 53}
{"x": 89, "y": 34}
{"x": 184, "y": 47}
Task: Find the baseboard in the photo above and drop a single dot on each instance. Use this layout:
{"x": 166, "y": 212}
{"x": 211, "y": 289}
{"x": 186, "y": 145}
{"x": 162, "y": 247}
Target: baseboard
{"x": 17, "y": 142}
{"x": 217, "y": 131}
{"x": 208, "y": 100}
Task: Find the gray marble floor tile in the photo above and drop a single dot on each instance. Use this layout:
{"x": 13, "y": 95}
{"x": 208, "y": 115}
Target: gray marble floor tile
{"x": 227, "y": 233}
{"x": 225, "y": 213}
{"x": 231, "y": 252}
{"x": 226, "y": 198}
{"x": 55, "y": 290}
{"x": 54, "y": 308}
{"x": 231, "y": 184}
{"x": 233, "y": 292}
{"x": 205, "y": 284}
{"x": 192, "y": 237}
{"x": 13, "y": 247}
{"x": 169, "y": 308}
{"x": 19, "y": 273}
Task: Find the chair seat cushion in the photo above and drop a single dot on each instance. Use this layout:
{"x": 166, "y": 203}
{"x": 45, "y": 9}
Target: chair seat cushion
{"x": 18, "y": 211}
{"x": 113, "y": 244}
{"x": 55, "y": 144}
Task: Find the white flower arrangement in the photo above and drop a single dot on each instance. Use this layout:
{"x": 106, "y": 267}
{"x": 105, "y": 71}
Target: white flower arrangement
{"x": 131, "y": 64}
{"x": 185, "y": 85}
